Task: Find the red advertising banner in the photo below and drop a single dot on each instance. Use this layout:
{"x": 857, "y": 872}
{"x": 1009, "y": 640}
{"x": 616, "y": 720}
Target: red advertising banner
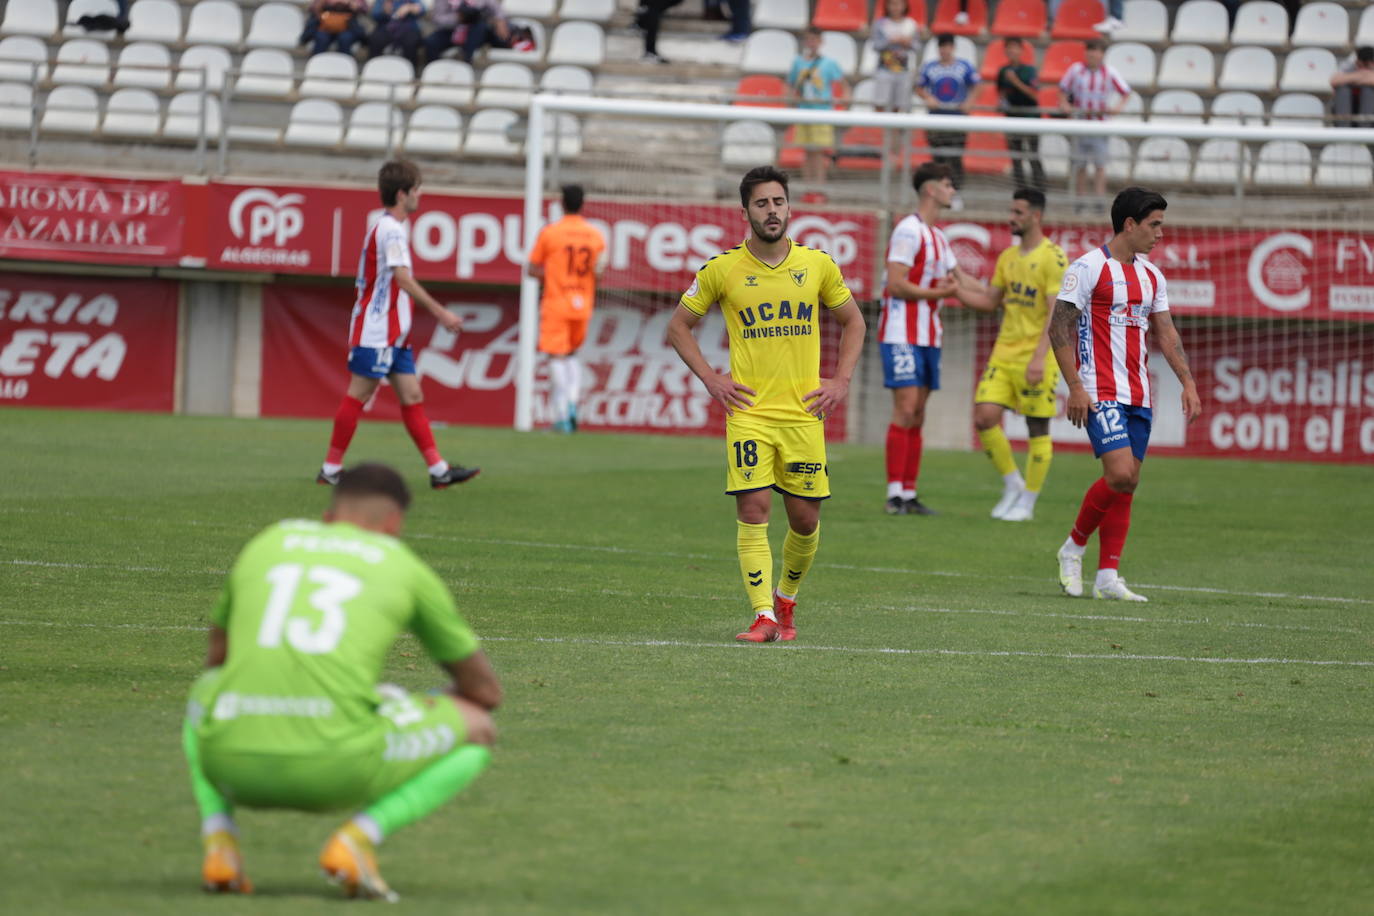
{"x": 653, "y": 246}
{"x": 632, "y": 380}
{"x": 84, "y": 218}
{"x": 1275, "y": 393}
{"x": 1273, "y": 273}
{"x": 87, "y": 342}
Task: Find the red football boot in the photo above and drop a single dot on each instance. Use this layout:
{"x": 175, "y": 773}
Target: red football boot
{"x": 761, "y": 630}
{"x": 783, "y": 609}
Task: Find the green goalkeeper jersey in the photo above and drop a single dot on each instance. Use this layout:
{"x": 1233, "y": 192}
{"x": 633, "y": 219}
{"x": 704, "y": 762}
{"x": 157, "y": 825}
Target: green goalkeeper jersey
{"x": 311, "y": 610}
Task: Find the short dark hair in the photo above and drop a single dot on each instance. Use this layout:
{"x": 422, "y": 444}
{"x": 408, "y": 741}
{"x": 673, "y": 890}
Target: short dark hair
{"x": 930, "y": 171}
{"x": 1135, "y": 203}
{"x": 944, "y": 39}
{"x": 1364, "y": 54}
{"x": 372, "y": 479}
{"x": 814, "y": 30}
{"x": 572, "y": 198}
{"x": 1013, "y": 40}
{"x": 396, "y": 176}
{"x": 1094, "y": 44}
{"x": 1032, "y": 196}
{"x": 760, "y": 175}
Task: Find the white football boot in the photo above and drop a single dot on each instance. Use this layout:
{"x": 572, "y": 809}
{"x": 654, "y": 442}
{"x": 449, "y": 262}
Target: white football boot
{"x": 1071, "y": 573}
{"x": 1010, "y": 496}
{"x": 1116, "y": 590}
{"x": 1023, "y": 510}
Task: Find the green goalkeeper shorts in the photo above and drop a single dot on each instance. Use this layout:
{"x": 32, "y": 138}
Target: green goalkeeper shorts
{"x": 411, "y": 733}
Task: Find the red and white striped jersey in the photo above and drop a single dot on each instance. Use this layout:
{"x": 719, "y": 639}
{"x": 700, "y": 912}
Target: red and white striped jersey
{"x": 926, "y": 250}
{"x": 1116, "y": 301}
{"x": 381, "y": 314}
{"x": 1091, "y": 90}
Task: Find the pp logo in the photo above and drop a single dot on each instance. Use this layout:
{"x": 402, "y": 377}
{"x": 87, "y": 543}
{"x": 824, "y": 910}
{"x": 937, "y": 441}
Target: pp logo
{"x": 836, "y": 239}
{"x": 269, "y": 216}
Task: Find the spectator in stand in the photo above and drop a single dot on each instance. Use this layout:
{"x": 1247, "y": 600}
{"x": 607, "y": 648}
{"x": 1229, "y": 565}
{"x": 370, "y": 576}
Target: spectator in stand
{"x": 1353, "y": 103}
{"x": 1085, "y": 92}
{"x": 398, "y": 25}
{"x": 1017, "y": 83}
{"x": 1113, "y": 9}
{"x": 482, "y": 23}
{"x": 647, "y": 19}
{"x": 741, "y": 21}
{"x": 947, "y": 84}
{"x": 811, "y": 84}
{"x": 446, "y": 16}
{"x": 894, "y": 36}
{"x": 334, "y": 23}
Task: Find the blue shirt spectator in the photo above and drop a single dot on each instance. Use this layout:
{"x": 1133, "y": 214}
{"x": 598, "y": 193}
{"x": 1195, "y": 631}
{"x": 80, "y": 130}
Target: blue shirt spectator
{"x": 947, "y": 83}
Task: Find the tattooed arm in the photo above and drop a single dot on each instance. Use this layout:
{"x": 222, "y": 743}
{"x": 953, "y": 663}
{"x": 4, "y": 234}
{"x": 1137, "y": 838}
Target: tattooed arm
{"x": 1064, "y": 341}
{"x": 1171, "y": 345}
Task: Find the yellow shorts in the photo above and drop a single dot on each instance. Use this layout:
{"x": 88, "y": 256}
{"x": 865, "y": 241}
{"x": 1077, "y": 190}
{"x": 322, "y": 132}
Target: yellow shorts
{"x": 815, "y": 136}
{"x": 1008, "y": 387}
{"x": 790, "y": 459}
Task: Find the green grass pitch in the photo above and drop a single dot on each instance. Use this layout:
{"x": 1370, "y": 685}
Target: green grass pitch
{"x": 948, "y": 734}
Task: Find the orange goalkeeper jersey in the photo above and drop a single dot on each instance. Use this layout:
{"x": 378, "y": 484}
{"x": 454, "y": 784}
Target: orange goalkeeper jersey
{"x": 569, "y": 251}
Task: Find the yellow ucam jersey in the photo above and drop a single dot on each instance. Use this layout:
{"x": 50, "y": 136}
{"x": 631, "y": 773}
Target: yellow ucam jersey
{"x": 1029, "y": 284}
{"x": 771, "y": 315}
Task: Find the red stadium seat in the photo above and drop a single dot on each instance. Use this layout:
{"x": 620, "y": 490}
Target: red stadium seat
{"x": 1076, "y": 19}
{"x": 916, "y": 9}
{"x": 977, "y": 18}
{"x": 869, "y": 138}
{"x": 985, "y": 99}
{"x": 1022, "y": 18}
{"x": 759, "y": 90}
{"x": 1058, "y": 57}
{"x": 1048, "y": 97}
{"x": 986, "y": 154}
{"x": 840, "y": 15}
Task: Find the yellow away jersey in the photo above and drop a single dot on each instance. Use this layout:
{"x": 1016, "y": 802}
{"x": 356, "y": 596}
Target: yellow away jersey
{"x": 770, "y": 312}
{"x": 1029, "y": 285}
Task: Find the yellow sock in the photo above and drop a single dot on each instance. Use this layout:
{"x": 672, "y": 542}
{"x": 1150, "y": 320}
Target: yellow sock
{"x": 798, "y": 552}
{"x": 1039, "y": 451}
{"x": 756, "y": 566}
{"x": 998, "y": 449}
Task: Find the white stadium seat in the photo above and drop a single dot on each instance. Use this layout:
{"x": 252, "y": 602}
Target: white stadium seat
{"x": 1162, "y": 159}
{"x": 745, "y": 144}
{"x": 1146, "y": 21}
{"x": 863, "y": 96}
{"x": 267, "y": 72}
{"x": 534, "y": 55}
{"x": 30, "y": 17}
{"x": 215, "y": 22}
{"x": 793, "y": 15}
{"x": 211, "y": 60}
{"x": 1134, "y": 61}
{"x": 590, "y": 10}
{"x": 1345, "y": 165}
{"x": 144, "y": 63}
{"x": 446, "y": 82}
{"x": 505, "y": 86}
{"x": 387, "y": 78}
{"x": 1177, "y": 105}
{"x": 567, "y": 79}
{"x": 769, "y": 51}
{"x": 581, "y": 43}
{"x": 275, "y": 25}
{"x": 23, "y": 57}
{"x": 1252, "y": 69}
{"x": 1263, "y": 23}
{"x": 842, "y": 49}
{"x": 568, "y": 137}
{"x": 1220, "y": 162}
{"x": 184, "y": 119}
{"x": 132, "y": 113}
{"x": 1054, "y": 155}
{"x": 84, "y": 61}
{"x": 330, "y": 75}
{"x": 1327, "y": 25}
{"x": 1186, "y": 67}
{"x": 71, "y": 109}
{"x": 539, "y": 9}
{"x": 1118, "y": 159}
{"x": 434, "y": 129}
{"x": 314, "y": 122}
{"x": 1134, "y": 109}
{"x": 1364, "y": 32}
{"x": 368, "y": 127}
{"x": 1201, "y": 22}
{"x": 1308, "y": 70}
{"x": 16, "y": 106}
{"x": 1297, "y": 109}
{"x": 490, "y": 134}
{"x": 154, "y": 20}
{"x": 78, "y": 8}
{"x": 1283, "y": 162}
{"x": 1237, "y": 108}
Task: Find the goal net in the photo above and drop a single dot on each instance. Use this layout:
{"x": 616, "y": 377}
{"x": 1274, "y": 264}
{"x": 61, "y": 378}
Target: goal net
{"x": 1268, "y": 252}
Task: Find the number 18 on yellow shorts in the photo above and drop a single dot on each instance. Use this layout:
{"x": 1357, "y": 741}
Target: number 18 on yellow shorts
{"x": 790, "y": 459}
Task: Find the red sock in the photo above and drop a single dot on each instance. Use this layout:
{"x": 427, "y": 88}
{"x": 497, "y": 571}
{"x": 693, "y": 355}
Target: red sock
{"x": 1096, "y": 502}
{"x": 1112, "y": 539}
{"x": 345, "y": 424}
{"x": 896, "y": 452}
{"x": 913, "y": 458}
{"x": 417, "y": 424}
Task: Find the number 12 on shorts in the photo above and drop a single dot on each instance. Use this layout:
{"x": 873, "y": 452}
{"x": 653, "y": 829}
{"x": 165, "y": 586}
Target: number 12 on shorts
{"x": 1109, "y": 418}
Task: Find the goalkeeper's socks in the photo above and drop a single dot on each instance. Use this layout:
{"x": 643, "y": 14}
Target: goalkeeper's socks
{"x": 424, "y": 792}
{"x": 756, "y": 567}
{"x": 798, "y": 553}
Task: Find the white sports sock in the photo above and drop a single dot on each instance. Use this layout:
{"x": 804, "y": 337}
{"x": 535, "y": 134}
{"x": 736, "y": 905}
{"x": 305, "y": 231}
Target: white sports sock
{"x": 1105, "y": 577}
{"x": 768, "y": 612}
{"x": 783, "y": 594}
{"x": 1013, "y": 481}
{"x": 1028, "y": 498}
{"x": 1071, "y": 547}
{"x": 217, "y": 822}
{"x": 558, "y": 373}
{"x": 370, "y": 828}
{"x": 331, "y": 468}
{"x": 894, "y": 488}
{"x": 574, "y": 382}
{"x": 908, "y": 495}
{"x": 436, "y": 469}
